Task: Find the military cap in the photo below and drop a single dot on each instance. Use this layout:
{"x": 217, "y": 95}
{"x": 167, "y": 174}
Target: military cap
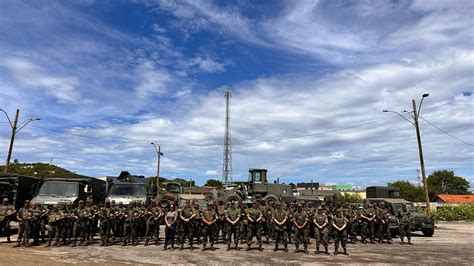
{"x": 323, "y": 204}
{"x": 107, "y": 201}
{"x": 320, "y": 208}
{"x": 81, "y": 202}
{"x": 5, "y": 199}
{"x": 27, "y": 201}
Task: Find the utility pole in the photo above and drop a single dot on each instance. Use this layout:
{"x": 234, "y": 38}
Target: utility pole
{"x": 418, "y": 176}
{"x": 416, "y": 114}
{"x": 158, "y": 154}
{"x": 227, "y": 158}
{"x": 12, "y": 139}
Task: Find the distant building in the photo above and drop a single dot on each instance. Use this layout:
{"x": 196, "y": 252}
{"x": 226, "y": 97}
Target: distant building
{"x": 459, "y": 199}
{"x": 341, "y": 187}
{"x": 325, "y": 187}
{"x": 307, "y": 186}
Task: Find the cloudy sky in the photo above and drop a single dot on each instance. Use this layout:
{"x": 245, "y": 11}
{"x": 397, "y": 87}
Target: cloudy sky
{"x": 309, "y": 81}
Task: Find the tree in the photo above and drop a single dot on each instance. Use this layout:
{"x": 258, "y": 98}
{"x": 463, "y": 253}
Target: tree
{"x": 446, "y": 182}
{"x": 348, "y": 198}
{"x": 409, "y": 191}
{"x": 213, "y": 183}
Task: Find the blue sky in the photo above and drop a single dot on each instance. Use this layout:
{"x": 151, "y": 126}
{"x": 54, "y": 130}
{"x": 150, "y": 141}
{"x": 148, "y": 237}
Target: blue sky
{"x": 309, "y": 81}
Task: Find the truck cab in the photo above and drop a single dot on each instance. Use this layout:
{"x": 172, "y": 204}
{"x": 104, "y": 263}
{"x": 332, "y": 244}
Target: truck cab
{"x": 126, "y": 188}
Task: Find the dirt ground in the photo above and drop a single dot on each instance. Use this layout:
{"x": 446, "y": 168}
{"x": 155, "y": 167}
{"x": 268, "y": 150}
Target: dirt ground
{"x": 452, "y": 243}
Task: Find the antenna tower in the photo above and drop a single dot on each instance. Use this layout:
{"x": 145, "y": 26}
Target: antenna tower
{"x": 227, "y": 160}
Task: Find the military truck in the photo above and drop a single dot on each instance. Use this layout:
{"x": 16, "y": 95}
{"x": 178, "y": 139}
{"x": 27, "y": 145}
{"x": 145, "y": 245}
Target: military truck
{"x": 257, "y": 187}
{"x": 391, "y": 197}
{"x": 17, "y": 188}
{"x": 69, "y": 189}
{"x": 126, "y": 188}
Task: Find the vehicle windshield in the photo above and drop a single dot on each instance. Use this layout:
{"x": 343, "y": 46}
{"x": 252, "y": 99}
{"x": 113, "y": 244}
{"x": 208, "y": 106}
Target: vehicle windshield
{"x": 54, "y": 188}
{"x": 410, "y": 207}
{"x": 127, "y": 190}
{"x": 173, "y": 188}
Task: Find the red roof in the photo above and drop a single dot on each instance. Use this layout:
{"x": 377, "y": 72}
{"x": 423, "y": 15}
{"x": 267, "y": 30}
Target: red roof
{"x": 456, "y": 198}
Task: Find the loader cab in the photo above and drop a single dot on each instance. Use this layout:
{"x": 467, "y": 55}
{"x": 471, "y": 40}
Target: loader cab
{"x": 257, "y": 176}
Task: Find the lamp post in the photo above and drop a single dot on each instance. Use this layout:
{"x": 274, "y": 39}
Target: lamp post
{"x": 415, "y": 116}
{"x": 15, "y": 129}
{"x": 159, "y": 154}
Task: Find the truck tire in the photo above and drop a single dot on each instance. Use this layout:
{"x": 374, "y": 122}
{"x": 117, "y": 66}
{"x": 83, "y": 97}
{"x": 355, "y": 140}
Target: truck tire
{"x": 233, "y": 197}
{"x": 270, "y": 200}
{"x": 164, "y": 203}
{"x": 428, "y": 232}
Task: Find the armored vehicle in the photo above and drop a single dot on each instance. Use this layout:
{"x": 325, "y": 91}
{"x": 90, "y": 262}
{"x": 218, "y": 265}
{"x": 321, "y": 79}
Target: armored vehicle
{"x": 126, "y": 188}
{"x": 391, "y": 197}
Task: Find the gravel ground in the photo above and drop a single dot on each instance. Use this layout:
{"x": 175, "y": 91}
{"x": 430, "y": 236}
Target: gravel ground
{"x": 452, "y": 243}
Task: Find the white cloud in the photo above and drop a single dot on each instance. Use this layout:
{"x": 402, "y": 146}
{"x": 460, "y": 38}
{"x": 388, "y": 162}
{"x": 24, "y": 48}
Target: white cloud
{"x": 151, "y": 79}
{"x": 34, "y": 76}
{"x": 207, "y": 64}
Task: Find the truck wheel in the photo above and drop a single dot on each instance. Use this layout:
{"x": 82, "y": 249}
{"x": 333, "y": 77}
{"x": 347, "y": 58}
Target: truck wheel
{"x": 428, "y": 232}
{"x": 233, "y": 197}
{"x": 270, "y": 200}
{"x": 164, "y": 203}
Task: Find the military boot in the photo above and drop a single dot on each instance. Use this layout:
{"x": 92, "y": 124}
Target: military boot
{"x": 73, "y": 243}
{"x": 81, "y": 243}
{"x": 146, "y": 242}
{"x": 409, "y": 241}
{"x": 212, "y": 247}
{"x": 18, "y": 243}
{"x": 297, "y": 249}
{"x": 236, "y": 245}
{"x": 248, "y": 247}
{"x": 335, "y": 252}
{"x": 48, "y": 244}
{"x": 326, "y": 250}
{"x": 402, "y": 241}
{"x": 228, "y": 246}
{"x": 305, "y": 249}
{"x": 260, "y": 247}
{"x": 8, "y": 239}
{"x": 276, "y": 247}
{"x": 203, "y": 247}
{"x": 317, "y": 250}
{"x": 181, "y": 247}
{"x": 345, "y": 252}
{"x": 286, "y": 247}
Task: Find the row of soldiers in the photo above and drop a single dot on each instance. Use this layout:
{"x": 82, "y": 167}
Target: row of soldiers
{"x": 233, "y": 222}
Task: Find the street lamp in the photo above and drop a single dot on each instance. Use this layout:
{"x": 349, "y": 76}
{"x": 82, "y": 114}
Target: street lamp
{"x": 15, "y": 130}
{"x": 415, "y": 116}
{"x": 159, "y": 154}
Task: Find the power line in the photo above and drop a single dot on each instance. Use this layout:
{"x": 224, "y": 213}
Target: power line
{"x": 216, "y": 144}
{"x": 445, "y": 132}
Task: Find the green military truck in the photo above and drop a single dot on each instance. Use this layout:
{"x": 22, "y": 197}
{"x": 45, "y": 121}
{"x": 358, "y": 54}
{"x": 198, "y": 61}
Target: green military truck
{"x": 257, "y": 187}
{"x": 391, "y": 197}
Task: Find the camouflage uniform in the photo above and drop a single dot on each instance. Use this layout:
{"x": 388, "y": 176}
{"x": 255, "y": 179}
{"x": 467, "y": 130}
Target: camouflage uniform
{"x": 54, "y": 219}
{"x": 24, "y": 216}
{"x": 232, "y": 214}
{"x": 340, "y": 222}
{"x": 321, "y": 232}
{"x": 404, "y": 219}
{"x": 279, "y": 220}
{"x": 208, "y": 232}
{"x": 184, "y": 227}
{"x": 153, "y": 222}
{"x": 383, "y": 217}
{"x": 221, "y": 223}
{"x": 369, "y": 220}
{"x": 300, "y": 219}
{"x": 80, "y": 222}
{"x": 254, "y": 226}
{"x": 105, "y": 217}
{"x": 6, "y": 212}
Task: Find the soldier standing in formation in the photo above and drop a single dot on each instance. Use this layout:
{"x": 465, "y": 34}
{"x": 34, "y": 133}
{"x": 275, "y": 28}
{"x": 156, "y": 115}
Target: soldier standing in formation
{"x": 209, "y": 219}
{"x": 6, "y": 212}
{"x": 279, "y": 221}
{"x": 321, "y": 230}
{"x": 254, "y": 226}
{"x": 184, "y": 227}
{"x": 232, "y": 218}
{"x": 300, "y": 223}
{"x": 339, "y": 225}
{"x": 405, "y": 219}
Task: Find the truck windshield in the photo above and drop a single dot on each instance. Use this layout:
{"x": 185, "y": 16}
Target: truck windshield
{"x": 127, "y": 190}
{"x": 54, "y": 188}
{"x": 410, "y": 207}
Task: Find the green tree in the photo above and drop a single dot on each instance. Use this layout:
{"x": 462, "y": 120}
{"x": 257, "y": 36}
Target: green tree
{"x": 409, "y": 191}
{"x": 213, "y": 183}
{"x": 446, "y": 182}
{"x": 348, "y": 198}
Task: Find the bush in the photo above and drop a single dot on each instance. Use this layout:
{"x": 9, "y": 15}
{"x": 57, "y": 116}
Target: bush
{"x": 463, "y": 212}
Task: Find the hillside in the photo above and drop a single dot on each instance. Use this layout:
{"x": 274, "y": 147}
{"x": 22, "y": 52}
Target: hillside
{"x": 38, "y": 169}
